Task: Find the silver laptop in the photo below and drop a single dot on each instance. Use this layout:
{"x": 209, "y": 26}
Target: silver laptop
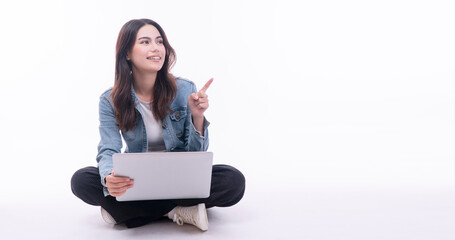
{"x": 165, "y": 175}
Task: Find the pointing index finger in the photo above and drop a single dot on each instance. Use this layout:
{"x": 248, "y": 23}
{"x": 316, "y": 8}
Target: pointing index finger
{"x": 207, "y": 85}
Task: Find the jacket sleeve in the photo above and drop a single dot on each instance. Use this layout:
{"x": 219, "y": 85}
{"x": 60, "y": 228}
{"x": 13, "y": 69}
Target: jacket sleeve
{"x": 195, "y": 141}
{"x": 111, "y": 141}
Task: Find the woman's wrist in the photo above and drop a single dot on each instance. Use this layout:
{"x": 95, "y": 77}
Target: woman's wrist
{"x": 198, "y": 123}
{"x": 198, "y": 118}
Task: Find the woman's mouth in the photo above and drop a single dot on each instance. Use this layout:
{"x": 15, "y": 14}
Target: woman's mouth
{"x": 154, "y": 58}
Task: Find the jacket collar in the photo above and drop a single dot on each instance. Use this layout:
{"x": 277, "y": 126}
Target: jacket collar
{"x": 133, "y": 94}
{"x": 135, "y": 99}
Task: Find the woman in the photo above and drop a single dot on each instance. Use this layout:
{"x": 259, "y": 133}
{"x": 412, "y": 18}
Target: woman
{"x": 153, "y": 111}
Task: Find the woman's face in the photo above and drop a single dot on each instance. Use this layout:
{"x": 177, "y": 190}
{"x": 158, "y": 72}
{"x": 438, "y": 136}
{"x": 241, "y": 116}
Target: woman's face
{"x": 148, "y": 52}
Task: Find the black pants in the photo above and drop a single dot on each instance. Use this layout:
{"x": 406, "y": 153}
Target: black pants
{"x": 227, "y": 188}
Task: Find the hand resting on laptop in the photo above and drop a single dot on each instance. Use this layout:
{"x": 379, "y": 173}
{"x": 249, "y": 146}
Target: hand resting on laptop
{"x": 117, "y": 186}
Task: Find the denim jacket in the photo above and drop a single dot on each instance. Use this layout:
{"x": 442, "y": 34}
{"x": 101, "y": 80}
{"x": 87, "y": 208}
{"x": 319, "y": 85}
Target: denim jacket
{"x": 179, "y": 133}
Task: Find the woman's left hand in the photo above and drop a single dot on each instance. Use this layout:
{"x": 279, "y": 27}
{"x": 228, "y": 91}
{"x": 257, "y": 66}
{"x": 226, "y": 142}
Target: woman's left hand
{"x": 199, "y": 102}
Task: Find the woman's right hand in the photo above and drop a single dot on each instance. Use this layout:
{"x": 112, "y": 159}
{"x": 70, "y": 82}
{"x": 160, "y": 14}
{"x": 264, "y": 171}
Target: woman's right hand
{"x": 117, "y": 186}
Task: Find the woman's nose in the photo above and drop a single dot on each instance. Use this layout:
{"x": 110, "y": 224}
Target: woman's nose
{"x": 153, "y": 47}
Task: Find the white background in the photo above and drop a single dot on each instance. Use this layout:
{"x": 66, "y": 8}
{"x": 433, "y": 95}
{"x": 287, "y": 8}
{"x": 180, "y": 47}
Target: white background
{"x": 307, "y": 94}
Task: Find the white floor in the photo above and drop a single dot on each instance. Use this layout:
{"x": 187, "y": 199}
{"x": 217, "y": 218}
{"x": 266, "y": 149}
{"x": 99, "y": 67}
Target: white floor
{"x": 277, "y": 212}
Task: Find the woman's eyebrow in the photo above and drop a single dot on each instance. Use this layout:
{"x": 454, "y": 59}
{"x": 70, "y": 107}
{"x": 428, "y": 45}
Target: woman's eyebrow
{"x": 149, "y": 38}
{"x": 144, "y": 38}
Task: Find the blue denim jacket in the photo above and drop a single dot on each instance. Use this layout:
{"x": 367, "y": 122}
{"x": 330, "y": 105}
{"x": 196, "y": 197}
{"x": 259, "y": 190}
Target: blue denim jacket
{"x": 179, "y": 133}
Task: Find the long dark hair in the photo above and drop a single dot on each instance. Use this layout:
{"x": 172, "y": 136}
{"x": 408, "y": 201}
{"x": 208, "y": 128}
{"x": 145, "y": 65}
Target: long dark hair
{"x": 165, "y": 86}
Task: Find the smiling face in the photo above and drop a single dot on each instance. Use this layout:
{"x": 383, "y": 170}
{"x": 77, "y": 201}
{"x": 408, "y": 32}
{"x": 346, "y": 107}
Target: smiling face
{"x": 148, "y": 52}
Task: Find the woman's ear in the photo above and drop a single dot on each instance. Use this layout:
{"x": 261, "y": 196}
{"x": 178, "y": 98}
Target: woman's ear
{"x": 128, "y": 56}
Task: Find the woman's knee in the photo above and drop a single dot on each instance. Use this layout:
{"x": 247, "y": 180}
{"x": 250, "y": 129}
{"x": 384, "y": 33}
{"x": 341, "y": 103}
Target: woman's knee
{"x": 238, "y": 179}
{"x": 235, "y": 184}
{"x": 81, "y": 180}
{"x": 239, "y": 184}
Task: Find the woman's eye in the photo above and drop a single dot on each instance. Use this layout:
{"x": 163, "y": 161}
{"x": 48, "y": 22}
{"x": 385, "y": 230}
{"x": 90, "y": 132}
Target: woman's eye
{"x": 160, "y": 42}
{"x": 145, "y": 42}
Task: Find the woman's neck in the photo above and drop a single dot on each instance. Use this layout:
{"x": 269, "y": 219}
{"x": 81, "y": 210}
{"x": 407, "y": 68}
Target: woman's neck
{"x": 143, "y": 85}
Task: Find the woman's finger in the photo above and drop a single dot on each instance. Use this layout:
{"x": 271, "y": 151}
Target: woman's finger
{"x": 206, "y": 86}
{"x": 202, "y": 95}
{"x": 203, "y": 105}
{"x": 120, "y": 189}
{"x": 119, "y": 179}
{"x": 117, "y": 182}
{"x": 118, "y": 185}
{"x": 117, "y": 194}
{"x": 194, "y": 96}
{"x": 202, "y": 100}
{"x": 112, "y": 181}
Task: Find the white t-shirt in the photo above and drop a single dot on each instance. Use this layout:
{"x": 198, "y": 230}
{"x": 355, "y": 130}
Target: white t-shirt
{"x": 153, "y": 128}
